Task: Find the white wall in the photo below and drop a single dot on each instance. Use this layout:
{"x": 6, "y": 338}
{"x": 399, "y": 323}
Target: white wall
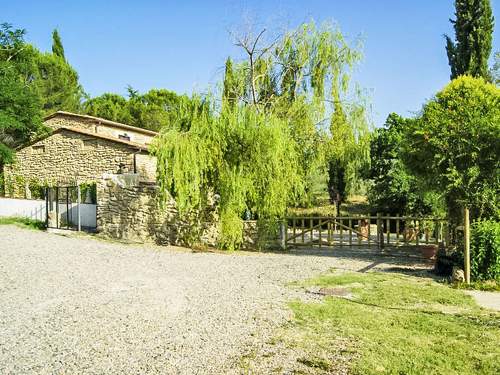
{"x": 35, "y": 209}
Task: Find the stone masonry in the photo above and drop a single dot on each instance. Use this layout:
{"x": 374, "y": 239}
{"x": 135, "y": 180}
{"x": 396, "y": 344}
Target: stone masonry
{"x": 99, "y": 126}
{"x": 67, "y": 157}
{"x": 129, "y": 209}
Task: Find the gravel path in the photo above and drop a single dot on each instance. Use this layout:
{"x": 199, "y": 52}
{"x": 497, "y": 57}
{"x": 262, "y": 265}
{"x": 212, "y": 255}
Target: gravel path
{"x": 79, "y": 305}
{"x": 488, "y": 300}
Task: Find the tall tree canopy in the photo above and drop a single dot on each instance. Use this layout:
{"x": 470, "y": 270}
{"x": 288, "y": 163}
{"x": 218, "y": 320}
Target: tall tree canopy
{"x": 153, "y": 110}
{"x": 20, "y": 106}
{"x": 304, "y": 77}
{"x": 455, "y": 146}
{"x": 57, "y": 84}
{"x": 57, "y": 46}
{"x": 110, "y": 106}
{"x": 258, "y": 150}
{"x": 395, "y": 189}
{"x": 49, "y": 75}
{"x": 471, "y": 49}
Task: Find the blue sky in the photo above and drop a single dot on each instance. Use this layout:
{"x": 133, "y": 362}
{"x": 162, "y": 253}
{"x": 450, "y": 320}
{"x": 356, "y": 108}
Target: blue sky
{"x": 182, "y": 45}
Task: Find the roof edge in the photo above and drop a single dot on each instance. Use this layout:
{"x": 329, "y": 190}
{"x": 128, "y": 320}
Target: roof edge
{"x": 102, "y": 121}
{"x": 95, "y": 135}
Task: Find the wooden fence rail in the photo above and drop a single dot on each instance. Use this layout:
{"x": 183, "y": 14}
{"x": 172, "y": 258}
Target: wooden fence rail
{"x": 377, "y": 230}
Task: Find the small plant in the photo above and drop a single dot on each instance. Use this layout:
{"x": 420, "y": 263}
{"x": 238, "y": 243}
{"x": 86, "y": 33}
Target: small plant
{"x": 2, "y": 184}
{"x": 88, "y": 192}
{"x": 485, "y": 250}
{"x": 22, "y": 222}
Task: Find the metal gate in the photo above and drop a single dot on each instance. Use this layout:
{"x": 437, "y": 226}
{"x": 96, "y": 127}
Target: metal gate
{"x": 378, "y": 231}
{"x": 65, "y": 209}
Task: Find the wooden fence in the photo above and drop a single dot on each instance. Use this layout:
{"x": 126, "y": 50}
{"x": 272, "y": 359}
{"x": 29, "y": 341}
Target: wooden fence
{"x": 380, "y": 231}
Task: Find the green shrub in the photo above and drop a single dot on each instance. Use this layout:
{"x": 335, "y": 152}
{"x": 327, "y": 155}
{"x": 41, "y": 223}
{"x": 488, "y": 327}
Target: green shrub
{"x": 2, "y": 184}
{"x": 485, "y": 250}
{"x": 23, "y": 222}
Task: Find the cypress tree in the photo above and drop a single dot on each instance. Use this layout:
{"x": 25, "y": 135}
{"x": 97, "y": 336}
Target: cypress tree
{"x": 469, "y": 52}
{"x": 336, "y": 164}
{"x": 57, "y": 47}
{"x": 229, "y": 93}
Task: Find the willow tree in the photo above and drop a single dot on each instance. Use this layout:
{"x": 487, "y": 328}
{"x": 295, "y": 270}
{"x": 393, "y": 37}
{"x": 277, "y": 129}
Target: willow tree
{"x": 258, "y": 150}
{"x": 244, "y": 157}
{"x": 304, "y": 77}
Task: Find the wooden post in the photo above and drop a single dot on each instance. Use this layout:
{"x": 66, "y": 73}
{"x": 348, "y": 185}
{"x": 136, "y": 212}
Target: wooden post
{"x": 341, "y": 233}
{"x": 397, "y": 230}
{"x": 388, "y": 229}
{"x": 303, "y": 229}
{"x": 283, "y": 235}
{"x": 380, "y": 233}
{"x": 312, "y": 230}
{"x": 369, "y": 230}
{"x": 467, "y": 245}
{"x": 417, "y": 231}
{"x": 329, "y": 228}
{"x": 319, "y": 232}
{"x": 350, "y": 232}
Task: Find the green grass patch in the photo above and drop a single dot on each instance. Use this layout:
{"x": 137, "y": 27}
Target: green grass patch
{"x": 400, "y": 325}
{"x": 23, "y": 222}
{"x": 487, "y": 286}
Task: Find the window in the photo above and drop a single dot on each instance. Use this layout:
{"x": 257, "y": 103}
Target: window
{"x": 124, "y": 136}
{"x": 40, "y": 149}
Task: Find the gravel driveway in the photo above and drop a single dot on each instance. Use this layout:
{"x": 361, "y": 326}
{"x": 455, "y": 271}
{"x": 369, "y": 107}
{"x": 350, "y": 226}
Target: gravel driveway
{"x": 79, "y": 305}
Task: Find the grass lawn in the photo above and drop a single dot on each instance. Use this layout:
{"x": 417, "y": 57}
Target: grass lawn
{"x": 22, "y": 222}
{"x": 396, "y": 324}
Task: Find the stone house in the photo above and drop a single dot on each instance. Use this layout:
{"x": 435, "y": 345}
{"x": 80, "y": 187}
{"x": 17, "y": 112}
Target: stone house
{"x": 83, "y": 149}
{"x": 80, "y": 149}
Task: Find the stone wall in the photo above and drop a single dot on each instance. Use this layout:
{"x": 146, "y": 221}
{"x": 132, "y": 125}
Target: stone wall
{"x": 145, "y": 165}
{"x": 64, "y": 158}
{"x": 129, "y": 209}
{"x": 95, "y": 126}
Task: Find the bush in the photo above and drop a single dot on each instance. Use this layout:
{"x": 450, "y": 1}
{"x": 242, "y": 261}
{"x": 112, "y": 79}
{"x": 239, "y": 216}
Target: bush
{"x": 485, "y": 250}
{"x": 453, "y": 147}
{"x": 2, "y": 184}
{"x": 23, "y": 222}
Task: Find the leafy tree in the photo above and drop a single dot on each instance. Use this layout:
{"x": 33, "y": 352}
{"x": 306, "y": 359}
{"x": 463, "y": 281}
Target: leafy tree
{"x": 348, "y": 151}
{"x": 395, "y": 189}
{"x": 231, "y": 87}
{"x": 259, "y": 149}
{"x": 56, "y": 81}
{"x": 57, "y": 47}
{"x": 48, "y": 75}
{"x": 473, "y": 25}
{"x": 20, "y": 107}
{"x": 20, "y": 115}
{"x": 153, "y": 110}
{"x": 112, "y": 107}
{"x": 454, "y": 146}
{"x": 296, "y": 77}
{"x": 57, "y": 84}
{"x": 248, "y": 158}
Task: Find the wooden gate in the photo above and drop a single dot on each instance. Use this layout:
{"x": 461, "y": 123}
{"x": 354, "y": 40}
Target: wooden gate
{"x": 380, "y": 231}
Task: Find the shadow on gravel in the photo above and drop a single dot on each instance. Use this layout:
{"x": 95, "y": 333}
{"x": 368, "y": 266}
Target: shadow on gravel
{"x": 398, "y": 260}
